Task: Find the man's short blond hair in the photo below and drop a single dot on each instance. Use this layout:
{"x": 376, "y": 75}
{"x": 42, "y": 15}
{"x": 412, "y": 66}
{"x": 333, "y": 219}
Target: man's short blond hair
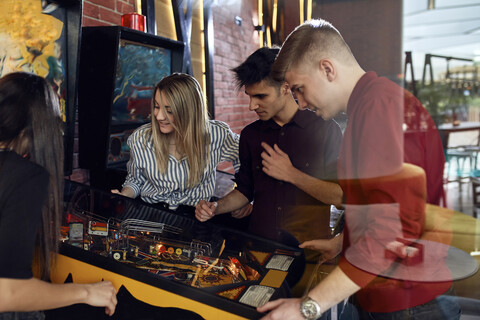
{"x": 309, "y": 43}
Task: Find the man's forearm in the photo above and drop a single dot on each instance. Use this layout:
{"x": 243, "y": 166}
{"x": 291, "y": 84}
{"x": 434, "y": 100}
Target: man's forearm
{"x": 325, "y": 191}
{"x": 232, "y": 201}
{"x": 335, "y": 288}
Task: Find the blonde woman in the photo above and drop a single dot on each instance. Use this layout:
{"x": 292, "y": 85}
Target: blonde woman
{"x": 173, "y": 159}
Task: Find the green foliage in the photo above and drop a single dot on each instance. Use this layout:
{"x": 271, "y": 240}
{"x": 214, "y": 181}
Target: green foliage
{"x": 442, "y": 100}
{"x": 434, "y": 97}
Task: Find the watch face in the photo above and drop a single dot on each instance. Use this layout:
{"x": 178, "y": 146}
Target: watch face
{"x": 310, "y": 309}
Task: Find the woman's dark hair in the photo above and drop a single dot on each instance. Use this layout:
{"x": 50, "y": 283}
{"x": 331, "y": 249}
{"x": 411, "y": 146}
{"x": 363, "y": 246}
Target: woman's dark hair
{"x": 30, "y": 123}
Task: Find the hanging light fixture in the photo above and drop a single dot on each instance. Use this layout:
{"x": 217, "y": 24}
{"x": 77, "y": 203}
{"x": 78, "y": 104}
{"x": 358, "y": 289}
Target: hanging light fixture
{"x": 301, "y": 5}
{"x": 274, "y": 16}
{"x": 309, "y": 9}
{"x": 431, "y": 4}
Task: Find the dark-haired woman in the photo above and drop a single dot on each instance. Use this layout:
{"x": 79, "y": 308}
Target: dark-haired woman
{"x": 31, "y": 188}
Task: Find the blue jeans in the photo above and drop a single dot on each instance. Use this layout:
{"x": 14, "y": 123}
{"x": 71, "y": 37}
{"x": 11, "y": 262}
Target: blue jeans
{"x": 35, "y": 315}
{"x": 442, "y": 308}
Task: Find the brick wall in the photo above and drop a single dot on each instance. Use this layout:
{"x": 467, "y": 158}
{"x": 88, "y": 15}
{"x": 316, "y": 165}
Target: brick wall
{"x": 233, "y": 44}
{"x": 105, "y": 12}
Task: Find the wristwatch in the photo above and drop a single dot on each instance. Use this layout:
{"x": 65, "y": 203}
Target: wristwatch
{"x": 310, "y": 309}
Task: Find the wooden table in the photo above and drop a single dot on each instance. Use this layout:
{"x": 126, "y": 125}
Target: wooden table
{"x": 447, "y": 128}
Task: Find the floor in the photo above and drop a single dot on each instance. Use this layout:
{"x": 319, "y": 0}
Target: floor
{"x": 459, "y": 197}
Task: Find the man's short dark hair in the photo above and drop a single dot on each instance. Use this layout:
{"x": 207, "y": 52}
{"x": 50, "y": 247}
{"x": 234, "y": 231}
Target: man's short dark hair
{"x": 256, "y": 68}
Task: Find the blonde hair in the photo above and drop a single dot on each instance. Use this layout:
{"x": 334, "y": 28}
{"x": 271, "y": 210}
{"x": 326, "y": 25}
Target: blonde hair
{"x": 309, "y": 43}
{"x": 183, "y": 95}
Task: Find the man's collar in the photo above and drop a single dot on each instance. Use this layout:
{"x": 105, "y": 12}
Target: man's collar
{"x": 269, "y": 124}
{"x": 301, "y": 118}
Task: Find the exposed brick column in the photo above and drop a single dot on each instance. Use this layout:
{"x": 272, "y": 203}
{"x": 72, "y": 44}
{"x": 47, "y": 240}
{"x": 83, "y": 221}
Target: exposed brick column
{"x": 233, "y": 44}
{"x": 105, "y": 12}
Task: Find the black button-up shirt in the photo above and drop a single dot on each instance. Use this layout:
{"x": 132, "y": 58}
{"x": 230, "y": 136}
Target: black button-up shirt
{"x": 312, "y": 145}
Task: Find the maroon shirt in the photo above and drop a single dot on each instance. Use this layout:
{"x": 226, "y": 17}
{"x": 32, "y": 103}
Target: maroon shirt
{"x": 387, "y": 197}
{"x": 312, "y": 145}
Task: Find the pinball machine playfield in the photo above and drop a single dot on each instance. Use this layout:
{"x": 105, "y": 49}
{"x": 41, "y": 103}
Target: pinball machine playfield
{"x": 168, "y": 259}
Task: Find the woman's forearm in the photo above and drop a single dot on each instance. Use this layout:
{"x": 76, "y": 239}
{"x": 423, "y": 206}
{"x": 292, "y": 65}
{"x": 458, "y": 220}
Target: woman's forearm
{"x": 34, "y": 294}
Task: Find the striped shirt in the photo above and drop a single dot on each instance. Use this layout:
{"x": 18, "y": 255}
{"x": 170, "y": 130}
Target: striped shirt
{"x": 171, "y": 187}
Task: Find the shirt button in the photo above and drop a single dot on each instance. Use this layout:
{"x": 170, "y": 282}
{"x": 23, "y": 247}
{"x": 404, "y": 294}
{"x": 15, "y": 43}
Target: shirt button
{"x": 279, "y": 208}
{"x": 282, "y": 133}
{"x": 257, "y": 167}
{"x": 307, "y": 164}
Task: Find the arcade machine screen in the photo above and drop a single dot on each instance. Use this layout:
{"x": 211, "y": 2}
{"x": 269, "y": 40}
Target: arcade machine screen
{"x": 139, "y": 68}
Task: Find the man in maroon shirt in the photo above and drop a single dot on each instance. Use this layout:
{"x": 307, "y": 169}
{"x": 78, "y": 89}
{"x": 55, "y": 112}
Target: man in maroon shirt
{"x": 309, "y": 147}
{"x": 385, "y": 198}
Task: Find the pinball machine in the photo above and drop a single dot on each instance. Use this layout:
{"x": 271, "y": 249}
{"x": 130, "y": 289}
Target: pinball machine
{"x": 168, "y": 259}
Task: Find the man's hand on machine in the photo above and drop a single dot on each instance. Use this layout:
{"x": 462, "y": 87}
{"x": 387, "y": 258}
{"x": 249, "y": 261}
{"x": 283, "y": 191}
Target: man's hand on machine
{"x": 205, "y": 210}
{"x": 329, "y": 248}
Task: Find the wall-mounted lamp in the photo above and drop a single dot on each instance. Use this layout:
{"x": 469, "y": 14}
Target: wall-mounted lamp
{"x": 260, "y": 28}
{"x": 238, "y": 21}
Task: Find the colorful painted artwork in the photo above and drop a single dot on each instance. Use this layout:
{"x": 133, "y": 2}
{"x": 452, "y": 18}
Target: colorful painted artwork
{"x": 139, "y": 69}
{"x": 32, "y": 39}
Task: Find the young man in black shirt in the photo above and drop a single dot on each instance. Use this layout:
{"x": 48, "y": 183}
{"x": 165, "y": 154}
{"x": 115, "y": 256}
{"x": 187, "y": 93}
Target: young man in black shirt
{"x": 293, "y": 195}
